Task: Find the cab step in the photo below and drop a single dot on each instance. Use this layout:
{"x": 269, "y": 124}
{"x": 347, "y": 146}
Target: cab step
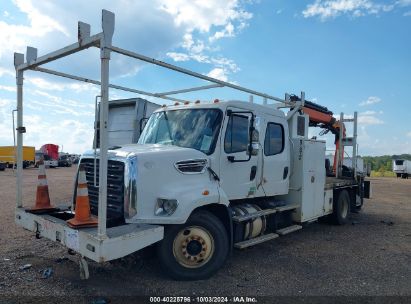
{"x": 288, "y": 229}
{"x": 287, "y": 207}
{"x": 255, "y": 241}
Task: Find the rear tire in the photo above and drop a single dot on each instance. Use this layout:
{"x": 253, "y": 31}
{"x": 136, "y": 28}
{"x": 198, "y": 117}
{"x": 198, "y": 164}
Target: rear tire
{"x": 341, "y": 208}
{"x": 194, "y": 250}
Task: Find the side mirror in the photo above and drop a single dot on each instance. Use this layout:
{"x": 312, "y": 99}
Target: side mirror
{"x": 255, "y": 147}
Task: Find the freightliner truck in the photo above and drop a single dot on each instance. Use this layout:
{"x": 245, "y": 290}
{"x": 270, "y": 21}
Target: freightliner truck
{"x": 204, "y": 178}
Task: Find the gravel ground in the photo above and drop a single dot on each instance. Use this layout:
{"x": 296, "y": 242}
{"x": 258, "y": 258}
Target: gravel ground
{"x": 371, "y": 256}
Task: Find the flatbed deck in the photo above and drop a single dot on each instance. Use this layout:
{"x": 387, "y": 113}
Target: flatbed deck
{"x": 332, "y": 182}
{"x": 118, "y": 242}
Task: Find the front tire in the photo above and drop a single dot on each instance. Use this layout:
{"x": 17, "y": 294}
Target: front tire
{"x": 194, "y": 250}
{"x": 341, "y": 208}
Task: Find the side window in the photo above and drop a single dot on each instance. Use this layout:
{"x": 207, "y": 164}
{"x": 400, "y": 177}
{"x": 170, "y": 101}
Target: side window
{"x": 274, "y": 139}
{"x": 236, "y": 135}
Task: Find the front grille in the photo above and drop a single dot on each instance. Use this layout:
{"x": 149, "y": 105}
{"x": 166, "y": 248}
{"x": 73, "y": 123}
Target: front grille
{"x": 115, "y": 190}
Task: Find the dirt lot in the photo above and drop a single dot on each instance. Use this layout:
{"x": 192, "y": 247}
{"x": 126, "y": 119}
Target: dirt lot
{"x": 369, "y": 256}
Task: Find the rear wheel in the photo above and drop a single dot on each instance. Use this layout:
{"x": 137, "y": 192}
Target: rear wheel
{"x": 196, "y": 249}
{"x": 341, "y": 208}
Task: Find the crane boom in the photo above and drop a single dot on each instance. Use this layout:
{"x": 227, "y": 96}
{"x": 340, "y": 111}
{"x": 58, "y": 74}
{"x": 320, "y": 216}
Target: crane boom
{"x": 320, "y": 116}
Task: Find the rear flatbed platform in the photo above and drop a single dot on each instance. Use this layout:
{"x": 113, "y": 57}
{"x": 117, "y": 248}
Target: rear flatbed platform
{"x": 332, "y": 182}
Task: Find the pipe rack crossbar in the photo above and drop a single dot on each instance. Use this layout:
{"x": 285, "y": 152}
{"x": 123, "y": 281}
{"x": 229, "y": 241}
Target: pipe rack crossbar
{"x": 96, "y": 82}
{"x": 206, "y": 87}
{"x": 68, "y": 50}
{"x": 191, "y": 73}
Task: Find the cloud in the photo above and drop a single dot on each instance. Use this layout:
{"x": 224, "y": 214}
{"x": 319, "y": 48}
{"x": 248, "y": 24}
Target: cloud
{"x": 218, "y": 73}
{"x": 328, "y": 9}
{"x": 178, "y": 56}
{"x": 368, "y": 113}
{"x": 203, "y": 15}
{"x": 370, "y": 101}
{"x": 409, "y": 134}
{"x": 75, "y": 136}
{"x": 228, "y": 31}
{"x": 216, "y": 19}
{"x": 75, "y": 87}
{"x": 6, "y": 72}
{"x": 7, "y": 88}
{"x": 369, "y": 120}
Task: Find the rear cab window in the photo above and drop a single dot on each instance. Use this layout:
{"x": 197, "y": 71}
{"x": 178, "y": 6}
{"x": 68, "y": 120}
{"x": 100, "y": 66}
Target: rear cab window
{"x": 274, "y": 139}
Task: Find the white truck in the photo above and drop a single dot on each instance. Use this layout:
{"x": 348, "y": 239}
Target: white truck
{"x": 203, "y": 179}
{"x": 402, "y": 168}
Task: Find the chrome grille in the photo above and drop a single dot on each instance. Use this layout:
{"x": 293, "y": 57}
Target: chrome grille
{"x": 115, "y": 189}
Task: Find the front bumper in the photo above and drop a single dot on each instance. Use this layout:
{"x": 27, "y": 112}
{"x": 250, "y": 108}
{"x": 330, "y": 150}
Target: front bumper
{"x": 119, "y": 242}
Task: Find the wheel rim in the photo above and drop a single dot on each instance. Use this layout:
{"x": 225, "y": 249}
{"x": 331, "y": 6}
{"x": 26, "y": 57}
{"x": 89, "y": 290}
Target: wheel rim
{"x": 193, "y": 247}
{"x": 344, "y": 208}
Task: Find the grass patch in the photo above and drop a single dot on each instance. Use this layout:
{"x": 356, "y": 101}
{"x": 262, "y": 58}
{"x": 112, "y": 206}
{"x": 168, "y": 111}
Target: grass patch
{"x": 382, "y": 173}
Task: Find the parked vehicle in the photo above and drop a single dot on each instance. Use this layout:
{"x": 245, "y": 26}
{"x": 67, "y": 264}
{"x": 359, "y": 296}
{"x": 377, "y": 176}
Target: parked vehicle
{"x": 402, "y": 168}
{"x": 203, "y": 179}
{"x": 2, "y": 166}
{"x": 8, "y": 156}
{"x": 64, "y": 161}
{"x": 50, "y": 154}
{"x": 126, "y": 118}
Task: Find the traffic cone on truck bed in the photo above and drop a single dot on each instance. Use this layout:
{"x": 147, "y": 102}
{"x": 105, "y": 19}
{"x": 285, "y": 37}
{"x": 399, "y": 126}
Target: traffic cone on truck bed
{"x": 82, "y": 218}
{"x": 42, "y": 197}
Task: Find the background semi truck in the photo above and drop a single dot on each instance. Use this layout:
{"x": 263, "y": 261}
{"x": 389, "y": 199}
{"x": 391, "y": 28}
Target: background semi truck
{"x": 50, "y": 155}
{"x": 402, "y": 167}
{"x": 8, "y": 156}
{"x": 204, "y": 178}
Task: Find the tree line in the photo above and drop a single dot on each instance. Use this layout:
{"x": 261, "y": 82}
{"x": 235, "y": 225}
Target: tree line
{"x": 383, "y": 163}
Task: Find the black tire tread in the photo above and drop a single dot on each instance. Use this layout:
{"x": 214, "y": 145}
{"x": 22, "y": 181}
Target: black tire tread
{"x": 172, "y": 268}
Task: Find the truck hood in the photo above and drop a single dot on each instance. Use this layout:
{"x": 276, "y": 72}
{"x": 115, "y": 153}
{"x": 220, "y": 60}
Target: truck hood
{"x": 132, "y": 150}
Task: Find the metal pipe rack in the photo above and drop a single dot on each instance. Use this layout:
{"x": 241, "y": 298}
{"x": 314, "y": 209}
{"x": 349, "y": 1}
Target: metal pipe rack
{"x": 103, "y": 41}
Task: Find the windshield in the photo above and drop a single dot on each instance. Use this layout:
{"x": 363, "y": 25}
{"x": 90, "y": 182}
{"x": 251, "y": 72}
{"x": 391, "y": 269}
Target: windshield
{"x": 191, "y": 128}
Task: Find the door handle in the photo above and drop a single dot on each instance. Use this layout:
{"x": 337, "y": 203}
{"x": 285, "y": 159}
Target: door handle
{"x": 253, "y": 172}
{"x": 285, "y": 173}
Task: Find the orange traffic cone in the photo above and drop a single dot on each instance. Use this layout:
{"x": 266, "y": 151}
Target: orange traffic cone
{"x": 82, "y": 217}
{"x": 42, "y": 197}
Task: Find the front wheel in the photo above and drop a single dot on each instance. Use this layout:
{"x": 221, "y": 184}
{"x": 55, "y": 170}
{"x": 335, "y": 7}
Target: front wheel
{"x": 196, "y": 249}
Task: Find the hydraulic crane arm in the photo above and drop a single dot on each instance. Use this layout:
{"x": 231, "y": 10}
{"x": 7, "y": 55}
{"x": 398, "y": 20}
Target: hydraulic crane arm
{"x": 322, "y": 117}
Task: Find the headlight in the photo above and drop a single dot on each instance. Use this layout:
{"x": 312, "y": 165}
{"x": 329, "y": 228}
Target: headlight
{"x": 165, "y": 207}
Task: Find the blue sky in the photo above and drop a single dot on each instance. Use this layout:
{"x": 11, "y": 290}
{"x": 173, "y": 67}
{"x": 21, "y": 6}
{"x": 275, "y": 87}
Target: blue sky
{"x": 348, "y": 55}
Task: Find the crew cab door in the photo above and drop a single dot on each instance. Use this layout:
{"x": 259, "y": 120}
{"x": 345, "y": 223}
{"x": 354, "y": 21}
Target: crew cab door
{"x": 238, "y": 170}
{"x": 276, "y": 164}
